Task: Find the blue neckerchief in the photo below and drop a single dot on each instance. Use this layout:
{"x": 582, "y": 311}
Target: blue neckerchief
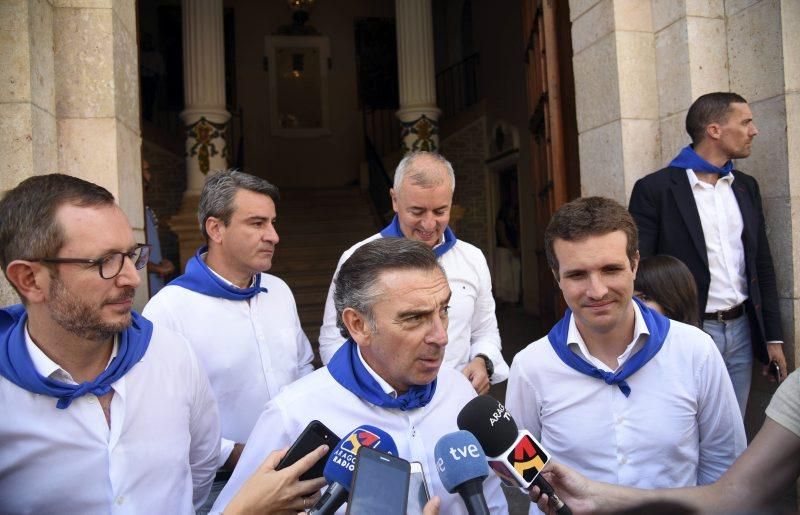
{"x": 17, "y": 366}
{"x": 688, "y": 158}
{"x": 393, "y": 231}
{"x": 657, "y": 324}
{"x": 346, "y": 367}
{"x": 199, "y": 278}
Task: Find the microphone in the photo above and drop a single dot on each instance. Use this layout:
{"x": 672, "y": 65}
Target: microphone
{"x": 462, "y": 468}
{"x": 514, "y": 455}
{"x": 342, "y": 462}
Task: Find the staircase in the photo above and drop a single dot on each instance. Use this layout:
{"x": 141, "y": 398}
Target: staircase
{"x": 315, "y": 227}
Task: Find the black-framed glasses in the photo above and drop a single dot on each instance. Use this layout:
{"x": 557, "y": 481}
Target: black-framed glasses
{"x": 111, "y": 264}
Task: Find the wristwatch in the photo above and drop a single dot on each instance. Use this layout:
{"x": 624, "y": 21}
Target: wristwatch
{"x": 489, "y": 364}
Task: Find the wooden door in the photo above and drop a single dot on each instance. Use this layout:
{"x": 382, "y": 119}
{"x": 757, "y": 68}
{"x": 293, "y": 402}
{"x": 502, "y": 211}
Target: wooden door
{"x": 552, "y": 126}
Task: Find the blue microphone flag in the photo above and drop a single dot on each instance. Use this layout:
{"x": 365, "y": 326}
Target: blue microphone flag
{"x": 459, "y": 458}
{"x": 342, "y": 461}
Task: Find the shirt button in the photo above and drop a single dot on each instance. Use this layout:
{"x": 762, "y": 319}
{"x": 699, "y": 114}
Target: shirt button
{"x": 620, "y": 420}
{"x": 120, "y": 500}
{"x": 623, "y": 460}
{"x": 91, "y": 398}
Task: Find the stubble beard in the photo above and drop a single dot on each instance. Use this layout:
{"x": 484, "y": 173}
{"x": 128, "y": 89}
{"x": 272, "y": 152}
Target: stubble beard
{"x": 80, "y": 318}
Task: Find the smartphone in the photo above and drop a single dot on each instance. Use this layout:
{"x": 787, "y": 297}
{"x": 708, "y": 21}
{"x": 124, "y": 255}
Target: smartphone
{"x": 775, "y": 370}
{"x": 380, "y": 484}
{"x": 314, "y": 435}
{"x": 418, "y": 495}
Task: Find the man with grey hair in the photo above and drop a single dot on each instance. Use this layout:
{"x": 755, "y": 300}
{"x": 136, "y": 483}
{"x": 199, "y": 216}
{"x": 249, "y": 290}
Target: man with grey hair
{"x": 241, "y": 321}
{"x": 422, "y": 198}
{"x": 392, "y": 300}
{"x": 102, "y": 411}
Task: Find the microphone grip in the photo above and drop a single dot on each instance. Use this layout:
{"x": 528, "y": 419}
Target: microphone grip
{"x": 472, "y": 494}
{"x": 332, "y": 499}
{"x": 555, "y": 501}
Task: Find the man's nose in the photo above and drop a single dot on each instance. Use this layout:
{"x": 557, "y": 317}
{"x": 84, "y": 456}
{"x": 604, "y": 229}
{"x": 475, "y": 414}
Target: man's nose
{"x": 128, "y": 276}
{"x": 597, "y": 288}
{"x": 438, "y": 332}
{"x": 271, "y": 235}
{"x": 428, "y": 222}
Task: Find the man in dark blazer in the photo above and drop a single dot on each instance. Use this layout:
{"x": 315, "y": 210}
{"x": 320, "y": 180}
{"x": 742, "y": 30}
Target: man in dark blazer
{"x": 708, "y": 215}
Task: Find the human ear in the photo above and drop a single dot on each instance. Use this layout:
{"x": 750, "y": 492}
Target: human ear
{"x": 30, "y": 279}
{"x": 358, "y": 326}
{"x": 214, "y": 228}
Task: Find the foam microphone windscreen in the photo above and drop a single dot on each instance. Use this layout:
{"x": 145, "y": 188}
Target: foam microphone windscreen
{"x": 487, "y": 419}
{"x": 342, "y": 461}
{"x": 459, "y": 458}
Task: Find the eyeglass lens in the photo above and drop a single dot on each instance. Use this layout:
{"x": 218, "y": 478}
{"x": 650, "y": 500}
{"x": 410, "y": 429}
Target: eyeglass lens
{"x": 112, "y": 265}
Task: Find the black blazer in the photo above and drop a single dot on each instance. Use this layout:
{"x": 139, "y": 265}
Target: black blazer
{"x": 663, "y": 206}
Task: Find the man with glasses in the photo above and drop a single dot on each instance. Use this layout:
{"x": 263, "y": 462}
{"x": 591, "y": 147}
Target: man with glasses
{"x": 242, "y": 322}
{"x": 101, "y": 410}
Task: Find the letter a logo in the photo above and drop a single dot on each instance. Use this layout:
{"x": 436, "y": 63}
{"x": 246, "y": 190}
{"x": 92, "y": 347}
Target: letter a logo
{"x": 527, "y": 458}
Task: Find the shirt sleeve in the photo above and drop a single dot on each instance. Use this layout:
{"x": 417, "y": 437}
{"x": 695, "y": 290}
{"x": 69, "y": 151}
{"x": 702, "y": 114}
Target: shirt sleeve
{"x": 484, "y": 335}
{"x": 522, "y": 400}
{"x": 305, "y": 355}
{"x": 204, "y": 429}
{"x": 269, "y": 434}
{"x": 721, "y": 430}
{"x": 784, "y": 408}
{"x": 330, "y": 339}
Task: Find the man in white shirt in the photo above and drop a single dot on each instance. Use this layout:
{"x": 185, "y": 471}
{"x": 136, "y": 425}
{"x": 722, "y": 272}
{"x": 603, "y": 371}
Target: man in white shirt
{"x": 617, "y": 390}
{"x": 392, "y": 300}
{"x": 102, "y": 411}
{"x": 422, "y": 197}
{"x": 703, "y": 212}
{"x": 241, "y": 322}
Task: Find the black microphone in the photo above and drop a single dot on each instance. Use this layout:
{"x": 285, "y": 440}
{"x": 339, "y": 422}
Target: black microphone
{"x": 516, "y": 456}
{"x": 342, "y": 462}
{"x": 462, "y": 468}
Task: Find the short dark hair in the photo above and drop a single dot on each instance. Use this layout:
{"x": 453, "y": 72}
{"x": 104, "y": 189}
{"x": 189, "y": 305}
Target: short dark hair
{"x": 28, "y": 225}
{"x": 219, "y": 190}
{"x": 356, "y": 284}
{"x": 709, "y": 108}
{"x": 667, "y": 281}
{"x": 589, "y": 216}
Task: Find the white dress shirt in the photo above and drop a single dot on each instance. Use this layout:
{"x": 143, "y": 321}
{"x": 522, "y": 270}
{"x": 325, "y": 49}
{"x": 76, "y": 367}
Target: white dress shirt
{"x": 680, "y": 426}
{"x": 722, "y": 230}
{"x": 159, "y": 454}
{"x": 415, "y": 432}
{"x": 472, "y": 329}
{"x": 249, "y": 349}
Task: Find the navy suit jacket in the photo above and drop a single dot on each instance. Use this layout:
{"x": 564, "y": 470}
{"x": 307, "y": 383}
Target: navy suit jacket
{"x": 663, "y": 206}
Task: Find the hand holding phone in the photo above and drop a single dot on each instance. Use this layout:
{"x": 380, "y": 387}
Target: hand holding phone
{"x": 418, "y": 495}
{"x": 775, "y": 370}
{"x": 314, "y": 435}
{"x": 380, "y": 484}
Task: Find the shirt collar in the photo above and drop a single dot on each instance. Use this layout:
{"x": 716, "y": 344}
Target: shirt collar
{"x": 694, "y": 181}
{"x": 578, "y": 345}
{"x": 46, "y": 367}
{"x": 386, "y": 387}
{"x": 252, "y": 280}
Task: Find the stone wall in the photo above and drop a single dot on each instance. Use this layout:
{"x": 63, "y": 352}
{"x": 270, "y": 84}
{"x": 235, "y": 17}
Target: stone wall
{"x": 466, "y": 150}
{"x": 69, "y": 97}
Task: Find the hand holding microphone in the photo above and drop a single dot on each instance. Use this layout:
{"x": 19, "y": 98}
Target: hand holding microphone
{"x": 516, "y": 456}
{"x": 341, "y": 463}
